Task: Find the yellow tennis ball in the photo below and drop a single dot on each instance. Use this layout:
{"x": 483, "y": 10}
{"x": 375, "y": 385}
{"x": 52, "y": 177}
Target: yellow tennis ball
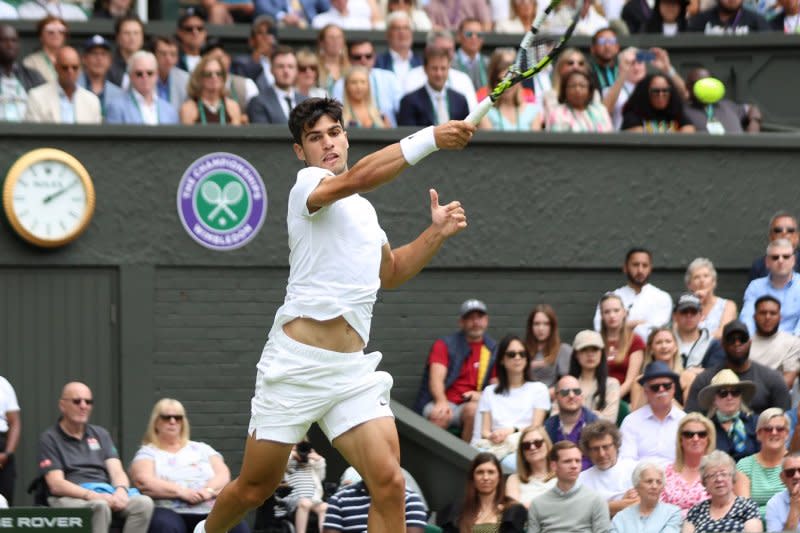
{"x": 709, "y": 90}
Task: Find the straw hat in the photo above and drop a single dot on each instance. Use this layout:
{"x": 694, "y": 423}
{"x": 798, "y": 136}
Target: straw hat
{"x": 725, "y": 379}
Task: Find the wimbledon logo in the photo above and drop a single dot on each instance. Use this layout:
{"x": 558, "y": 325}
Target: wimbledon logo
{"x": 222, "y": 201}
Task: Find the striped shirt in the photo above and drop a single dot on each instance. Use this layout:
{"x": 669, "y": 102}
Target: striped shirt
{"x": 348, "y": 508}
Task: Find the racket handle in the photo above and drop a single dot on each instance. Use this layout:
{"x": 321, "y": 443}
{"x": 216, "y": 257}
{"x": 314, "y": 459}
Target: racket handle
{"x": 480, "y": 111}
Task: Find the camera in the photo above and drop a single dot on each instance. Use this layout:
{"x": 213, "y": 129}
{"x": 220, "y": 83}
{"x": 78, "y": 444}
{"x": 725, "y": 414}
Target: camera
{"x": 303, "y": 448}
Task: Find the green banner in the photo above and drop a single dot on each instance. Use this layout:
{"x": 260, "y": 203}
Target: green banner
{"x": 46, "y": 519}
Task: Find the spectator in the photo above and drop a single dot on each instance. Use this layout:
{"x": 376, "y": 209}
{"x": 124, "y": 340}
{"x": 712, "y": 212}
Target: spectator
{"x": 724, "y": 116}
{"x": 274, "y": 105}
{"x": 468, "y": 58}
{"x": 650, "y": 512}
{"x": 96, "y": 65}
{"x": 761, "y": 471}
{"x": 307, "y": 83}
{"x": 419, "y": 18}
{"x": 782, "y": 225}
{"x": 771, "y": 390}
{"x": 692, "y": 340}
{"x": 81, "y": 467}
{"x": 604, "y": 52}
{"x": 572, "y": 415}
{"x": 434, "y": 103}
{"x": 360, "y": 110}
{"x": 112, "y": 9}
{"x": 7, "y": 11}
{"x": 513, "y": 111}
{"x": 207, "y": 101}
{"x": 729, "y": 17}
{"x": 662, "y": 345}
{"x": 305, "y": 473}
{"x": 780, "y": 284}
{"x": 346, "y": 508}
{"x": 10, "y": 429}
{"x": 610, "y": 477}
{"x": 141, "y": 104}
{"x": 569, "y": 506}
{"x": 448, "y": 14}
{"x": 512, "y": 403}
{"x": 240, "y": 88}
{"x": 38, "y": 10}
{"x": 172, "y": 81}
{"x": 551, "y": 357}
{"x": 726, "y": 401}
{"x": 648, "y": 306}
{"x": 576, "y": 111}
{"x": 182, "y": 476}
{"x": 683, "y": 486}
{"x": 724, "y": 510}
{"x": 655, "y": 106}
{"x": 225, "y": 12}
{"x": 459, "y": 368}
{"x": 346, "y": 14}
{"x": 589, "y": 365}
{"x": 64, "y": 101}
{"x": 333, "y": 61}
{"x": 649, "y": 431}
{"x": 668, "y": 18}
{"x": 624, "y": 348}
{"x": 715, "y": 311}
{"x": 589, "y": 21}
{"x": 534, "y": 475}
{"x": 256, "y": 65}
{"x": 786, "y": 21}
{"x": 129, "y": 35}
{"x": 783, "y": 509}
{"x": 17, "y": 79}
{"x": 636, "y": 14}
{"x": 52, "y": 32}
{"x": 631, "y": 70}
{"x": 485, "y": 505}
{"x": 399, "y": 57}
{"x": 775, "y": 349}
{"x": 290, "y": 13}
{"x": 522, "y": 14}
{"x": 192, "y": 36}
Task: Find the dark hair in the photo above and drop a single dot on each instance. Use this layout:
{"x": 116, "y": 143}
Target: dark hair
{"x": 131, "y": 17}
{"x": 282, "y": 50}
{"x": 562, "y": 89}
{"x": 558, "y": 446}
{"x": 309, "y": 111}
{"x": 600, "y": 375}
{"x": 553, "y": 342}
{"x": 466, "y": 21}
{"x": 211, "y": 44}
{"x": 655, "y": 24}
{"x": 604, "y": 30}
{"x": 639, "y": 101}
{"x": 47, "y": 20}
{"x": 165, "y": 39}
{"x": 502, "y": 374}
{"x": 472, "y": 502}
{"x": 638, "y": 250}
{"x": 766, "y": 298}
{"x": 596, "y": 431}
{"x": 358, "y": 42}
{"x": 433, "y": 52}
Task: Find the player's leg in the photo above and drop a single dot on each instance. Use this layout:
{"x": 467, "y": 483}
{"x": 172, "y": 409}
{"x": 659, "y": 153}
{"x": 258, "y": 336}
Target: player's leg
{"x": 373, "y": 448}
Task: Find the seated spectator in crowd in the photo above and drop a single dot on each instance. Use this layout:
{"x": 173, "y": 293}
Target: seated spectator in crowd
{"x": 141, "y": 104}
{"x": 434, "y": 103}
{"x": 129, "y": 36}
{"x": 662, "y": 345}
{"x": 588, "y": 364}
{"x": 551, "y": 357}
{"x": 624, "y": 348}
{"x": 775, "y": 349}
{"x": 399, "y": 57}
{"x": 760, "y": 479}
{"x": 333, "y": 57}
{"x": 780, "y": 283}
{"x": 577, "y": 112}
{"x": 650, "y": 511}
{"x": 782, "y": 225}
{"x": 683, "y": 486}
{"x": 274, "y": 105}
{"x": 668, "y": 18}
{"x": 603, "y": 57}
{"x": 171, "y": 82}
{"x": 655, "y": 106}
{"x": 610, "y": 477}
{"x": 787, "y": 20}
{"x": 649, "y": 431}
{"x": 514, "y": 402}
{"x": 468, "y": 58}
{"x": 715, "y": 311}
{"x": 305, "y": 473}
{"x": 485, "y": 506}
{"x": 182, "y": 476}
{"x": 112, "y": 9}
{"x": 36, "y": 10}
{"x": 10, "y": 430}
{"x": 64, "y": 101}
{"x": 17, "y": 79}
{"x": 513, "y": 111}
{"x": 723, "y": 510}
{"x": 225, "y": 12}
{"x": 96, "y": 62}
{"x": 81, "y": 466}
{"x": 569, "y": 506}
{"x": 724, "y": 116}
{"x": 347, "y": 14}
{"x": 648, "y": 306}
{"x": 192, "y": 35}
{"x": 589, "y": 22}
{"x": 8, "y": 12}
{"x": 420, "y": 21}
{"x": 240, "y": 88}
{"x": 572, "y": 416}
{"x": 448, "y": 14}
{"x": 692, "y": 340}
{"x": 726, "y": 401}
{"x": 635, "y": 15}
{"x": 307, "y": 83}
{"x": 522, "y": 14}
{"x": 534, "y": 475}
{"x": 207, "y": 101}
{"x": 289, "y": 13}
{"x": 347, "y": 510}
{"x": 783, "y": 509}
{"x": 459, "y": 367}
{"x": 52, "y": 32}
{"x": 729, "y": 17}
{"x": 256, "y": 64}
{"x": 631, "y": 70}
{"x": 360, "y": 110}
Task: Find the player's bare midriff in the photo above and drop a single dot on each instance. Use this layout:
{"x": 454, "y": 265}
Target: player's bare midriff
{"x": 335, "y": 335}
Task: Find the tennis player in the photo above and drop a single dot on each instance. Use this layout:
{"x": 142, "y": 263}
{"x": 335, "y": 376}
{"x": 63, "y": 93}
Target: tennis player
{"x": 313, "y": 367}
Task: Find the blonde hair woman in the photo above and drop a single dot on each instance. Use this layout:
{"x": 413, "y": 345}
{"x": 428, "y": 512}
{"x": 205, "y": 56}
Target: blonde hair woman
{"x": 662, "y": 345}
{"x": 359, "y": 109}
{"x": 624, "y": 348}
{"x": 307, "y": 82}
{"x": 207, "y": 101}
{"x": 715, "y": 312}
{"x": 533, "y": 476}
{"x": 683, "y": 484}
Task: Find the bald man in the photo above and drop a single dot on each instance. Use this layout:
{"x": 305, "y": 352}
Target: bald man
{"x": 64, "y": 101}
{"x": 81, "y": 467}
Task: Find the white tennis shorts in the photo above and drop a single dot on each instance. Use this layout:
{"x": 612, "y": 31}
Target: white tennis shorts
{"x": 298, "y": 385}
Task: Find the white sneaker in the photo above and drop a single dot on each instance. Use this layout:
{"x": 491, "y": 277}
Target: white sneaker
{"x": 200, "y": 527}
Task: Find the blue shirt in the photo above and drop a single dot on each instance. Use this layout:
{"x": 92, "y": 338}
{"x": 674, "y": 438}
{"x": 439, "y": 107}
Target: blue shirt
{"x": 788, "y": 296}
{"x": 778, "y": 511}
{"x": 66, "y": 106}
{"x": 665, "y": 518}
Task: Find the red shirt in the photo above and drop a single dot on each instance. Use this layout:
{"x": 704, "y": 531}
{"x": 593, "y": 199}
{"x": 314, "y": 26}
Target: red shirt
{"x": 467, "y": 380}
{"x": 618, "y": 367}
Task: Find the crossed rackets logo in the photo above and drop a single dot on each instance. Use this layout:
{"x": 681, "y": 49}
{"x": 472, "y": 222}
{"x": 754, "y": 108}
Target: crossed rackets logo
{"x": 222, "y": 201}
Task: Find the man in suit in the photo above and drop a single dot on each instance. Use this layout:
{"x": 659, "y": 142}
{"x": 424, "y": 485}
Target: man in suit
{"x": 294, "y": 13}
{"x": 171, "y": 81}
{"x": 141, "y": 103}
{"x": 64, "y": 101}
{"x": 96, "y": 63}
{"x": 274, "y": 105}
{"x": 399, "y": 58}
{"x": 256, "y": 65}
{"x": 18, "y": 78}
{"x": 433, "y": 103}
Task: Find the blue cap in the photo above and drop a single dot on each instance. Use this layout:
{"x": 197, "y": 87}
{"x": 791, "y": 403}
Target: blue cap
{"x": 94, "y": 41}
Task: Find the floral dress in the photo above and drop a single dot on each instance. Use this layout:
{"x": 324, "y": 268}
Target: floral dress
{"x": 680, "y": 492}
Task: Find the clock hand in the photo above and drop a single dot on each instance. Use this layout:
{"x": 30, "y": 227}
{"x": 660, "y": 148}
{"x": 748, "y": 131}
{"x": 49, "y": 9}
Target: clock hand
{"x": 49, "y": 198}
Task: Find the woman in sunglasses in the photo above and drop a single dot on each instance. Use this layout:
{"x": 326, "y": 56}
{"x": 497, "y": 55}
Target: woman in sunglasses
{"x": 533, "y": 476}
{"x": 725, "y": 400}
{"x": 655, "y": 106}
{"x": 662, "y": 345}
{"x": 182, "y": 476}
{"x": 207, "y": 101}
{"x": 589, "y": 366}
{"x": 683, "y": 485}
{"x": 761, "y": 472}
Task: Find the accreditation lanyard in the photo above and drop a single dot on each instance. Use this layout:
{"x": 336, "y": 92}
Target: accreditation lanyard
{"x": 607, "y": 75}
{"x": 139, "y": 109}
{"x": 47, "y": 62}
{"x": 201, "y": 108}
{"x": 588, "y": 124}
{"x": 502, "y": 121}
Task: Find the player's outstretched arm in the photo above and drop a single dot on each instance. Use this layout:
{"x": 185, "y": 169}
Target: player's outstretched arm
{"x": 401, "y": 264}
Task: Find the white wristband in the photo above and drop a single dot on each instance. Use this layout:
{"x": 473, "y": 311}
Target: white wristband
{"x": 419, "y": 145}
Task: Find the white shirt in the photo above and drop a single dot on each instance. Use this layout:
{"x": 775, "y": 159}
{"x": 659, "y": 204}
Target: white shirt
{"x": 514, "y": 408}
{"x": 441, "y": 107}
{"x": 282, "y": 99}
{"x": 652, "y": 305}
{"x": 356, "y": 19}
{"x": 13, "y": 99}
{"x": 191, "y": 62}
{"x": 8, "y": 12}
{"x": 400, "y": 66}
{"x": 779, "y": 352}
{"x": 334, "y": 258}
{"x": 66, "y": 106}
{"x": 624, "y": 94}
{"x": 646, "y": 438}
{"x": 36, "y": 10}
{"x": 611, "y": 484}
{"x": 149, "y": 112}
{"x": 456, "y": 80}
{"x": 8, "y": 403}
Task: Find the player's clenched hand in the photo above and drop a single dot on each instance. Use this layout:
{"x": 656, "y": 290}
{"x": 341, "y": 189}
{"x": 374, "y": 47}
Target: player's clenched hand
{"x": 453, "y": 135}
{"x": 450, "y": 218}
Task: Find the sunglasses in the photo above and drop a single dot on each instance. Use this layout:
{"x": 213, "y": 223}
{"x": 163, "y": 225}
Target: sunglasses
{"x": 77, "y": 401}
{"x": 790, "y": 472}
{"x": 606, "y": 40}
{"x": 773, "y": 429}
{"x": 306, "y": 68}
{"x": 660, "y": 90}
{"x": 724, "y": 393}
{"x": 167, "y": 418}
{"x": 361, "y": 57}
{"x": 566, "y": 392}
{"x": 741, "y": 339}
{"x": 511, "y": 354}
{"x": 212, "y": 74}
{"x": 470, "y": 34}
{"x": 193, "y": 29}
{"x": 144, "y": 73}
{"x": 658, "y": 387}
{"x": 785, "y": 257}
{"x": 692, "y": 434}
{"x": 534, "y": 444}
{"x": 781, "y": 229}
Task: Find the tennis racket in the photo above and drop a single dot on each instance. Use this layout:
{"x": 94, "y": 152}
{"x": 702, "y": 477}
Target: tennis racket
{"x": 534, "y": 54}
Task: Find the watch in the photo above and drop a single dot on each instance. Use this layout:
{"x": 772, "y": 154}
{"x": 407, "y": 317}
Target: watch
{"x": 48, "y": 197}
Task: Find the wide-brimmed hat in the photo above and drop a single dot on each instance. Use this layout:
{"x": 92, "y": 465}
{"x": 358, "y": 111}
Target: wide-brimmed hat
{"x": 658, "y": 369}
{"x": 725, "y": 379}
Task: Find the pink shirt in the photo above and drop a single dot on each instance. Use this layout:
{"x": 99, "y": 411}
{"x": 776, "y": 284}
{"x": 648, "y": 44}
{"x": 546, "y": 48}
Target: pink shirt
{"x": 680, "y": 492}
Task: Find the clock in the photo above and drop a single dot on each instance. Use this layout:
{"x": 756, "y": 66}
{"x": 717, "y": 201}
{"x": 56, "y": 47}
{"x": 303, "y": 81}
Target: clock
{"x": 48, "y": 197}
